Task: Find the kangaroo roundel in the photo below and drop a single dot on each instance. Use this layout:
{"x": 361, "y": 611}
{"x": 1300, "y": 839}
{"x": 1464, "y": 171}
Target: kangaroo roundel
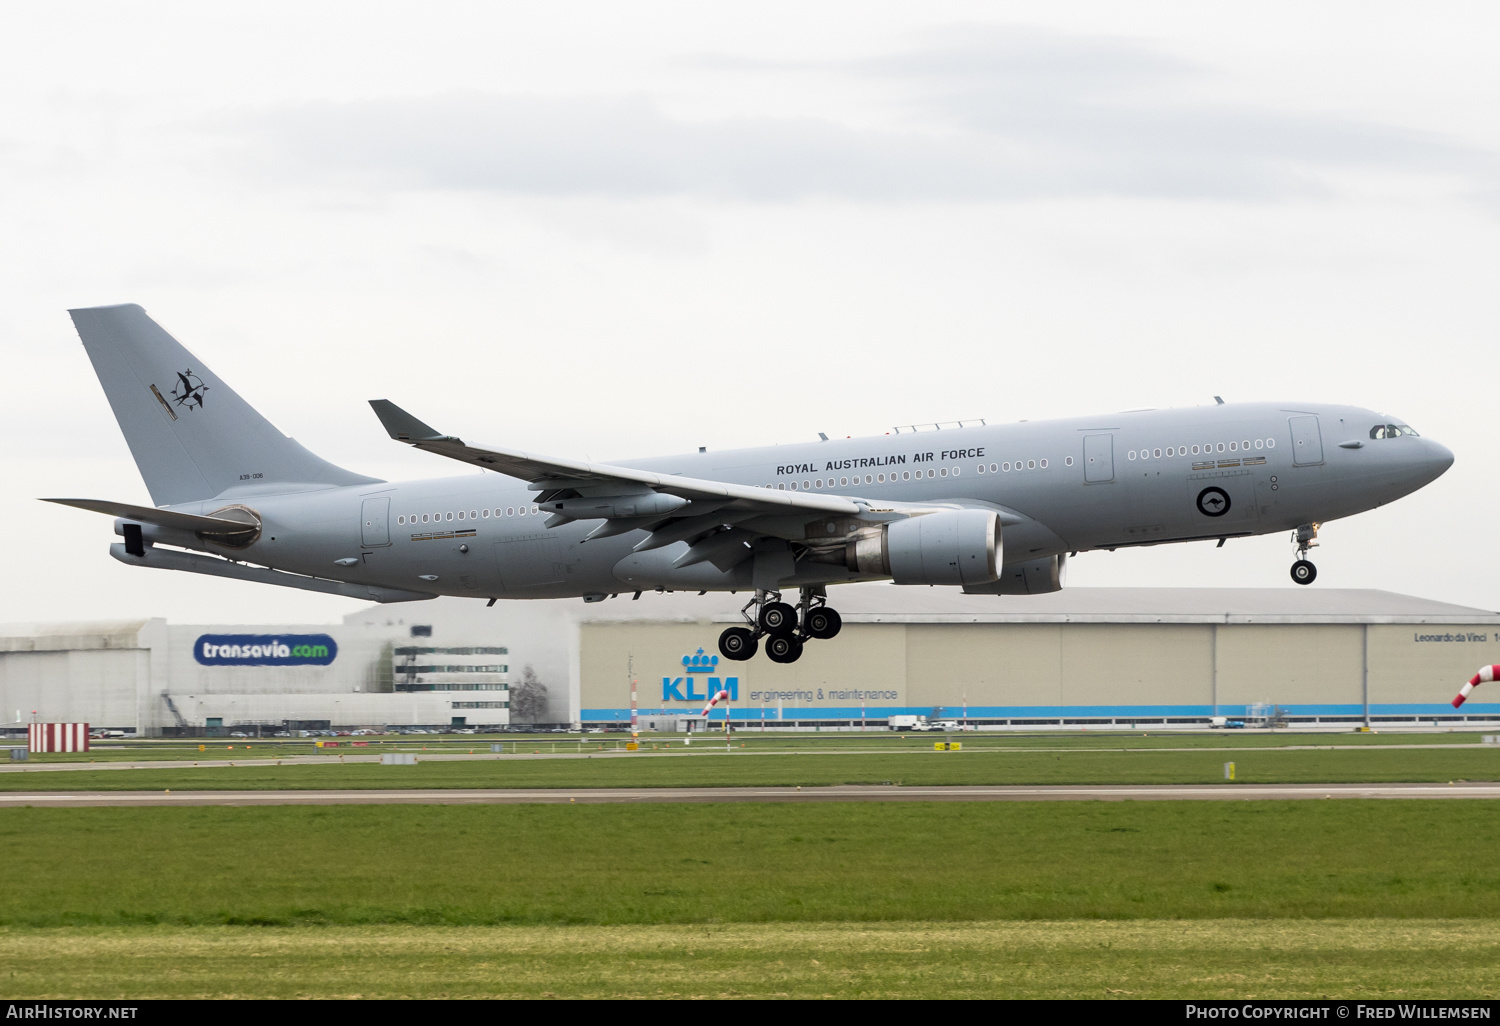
{"x": 1213, "y": 502}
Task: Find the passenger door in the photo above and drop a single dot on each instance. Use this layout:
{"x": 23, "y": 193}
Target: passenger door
{"x": 375, "y": 522}
{"x": 1307, "y": 441}
{"x": 1098, "y": 458}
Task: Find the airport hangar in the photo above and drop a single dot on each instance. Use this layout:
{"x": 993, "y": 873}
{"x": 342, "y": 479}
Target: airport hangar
{"x": 1085, "y": 656}
{"x": 1105, "y": 657}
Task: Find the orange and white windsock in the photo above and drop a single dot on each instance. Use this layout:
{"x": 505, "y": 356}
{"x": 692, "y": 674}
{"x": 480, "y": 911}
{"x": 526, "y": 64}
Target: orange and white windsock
{"x": 1486, "y": 675}
{"x": 714, "y": 701}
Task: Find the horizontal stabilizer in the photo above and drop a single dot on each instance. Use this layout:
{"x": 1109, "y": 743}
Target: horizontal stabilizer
{"x": 159, "y": 517}
{"x": 172, "y": 559}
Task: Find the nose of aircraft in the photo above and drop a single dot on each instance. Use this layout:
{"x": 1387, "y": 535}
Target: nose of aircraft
{"x": 1432, "y": 460}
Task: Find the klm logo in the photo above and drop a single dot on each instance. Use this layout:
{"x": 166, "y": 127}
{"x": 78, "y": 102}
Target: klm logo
{"x": 684, "y": 689}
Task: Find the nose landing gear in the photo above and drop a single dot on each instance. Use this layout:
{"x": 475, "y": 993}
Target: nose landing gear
{"x": 1303, "y": 571}
{"x": 786, "y": 629}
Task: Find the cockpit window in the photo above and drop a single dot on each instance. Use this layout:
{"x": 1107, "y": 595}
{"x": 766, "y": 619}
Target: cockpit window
{"x": 1391, "y": 431}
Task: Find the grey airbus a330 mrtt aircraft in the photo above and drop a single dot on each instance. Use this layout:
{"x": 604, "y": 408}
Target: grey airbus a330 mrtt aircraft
{"x": 993, "y": 509}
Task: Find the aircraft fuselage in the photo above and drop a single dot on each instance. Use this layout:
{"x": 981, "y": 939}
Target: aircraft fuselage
{"x": 1062, "y": 486}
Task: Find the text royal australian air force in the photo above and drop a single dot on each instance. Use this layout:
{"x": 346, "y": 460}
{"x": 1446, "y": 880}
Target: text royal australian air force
{"x": 868, "y": 462}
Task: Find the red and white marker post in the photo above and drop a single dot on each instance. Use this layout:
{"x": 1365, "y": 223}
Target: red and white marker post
{"x": 1486, "y": 675}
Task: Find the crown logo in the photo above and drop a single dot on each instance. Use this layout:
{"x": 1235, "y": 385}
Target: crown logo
{"x": 701, "y": 663}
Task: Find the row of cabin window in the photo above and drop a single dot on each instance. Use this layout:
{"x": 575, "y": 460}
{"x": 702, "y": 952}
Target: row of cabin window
{"x": 906, "y": 475}
{"x": 1183, "y": 450}
{"x": 1005, "y": 468}
{"x": 473, "y": 514}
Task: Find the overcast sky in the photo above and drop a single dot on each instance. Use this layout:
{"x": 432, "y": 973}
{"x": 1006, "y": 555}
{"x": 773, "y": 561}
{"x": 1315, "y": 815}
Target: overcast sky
{"x": 608, "y": 230}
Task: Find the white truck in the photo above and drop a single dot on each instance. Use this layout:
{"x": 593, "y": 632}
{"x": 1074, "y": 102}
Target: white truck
{"x": 907, "y": 723}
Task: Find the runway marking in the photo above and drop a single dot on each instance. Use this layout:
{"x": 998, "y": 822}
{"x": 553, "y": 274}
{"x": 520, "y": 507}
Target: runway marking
{"x": 512, "y": 796}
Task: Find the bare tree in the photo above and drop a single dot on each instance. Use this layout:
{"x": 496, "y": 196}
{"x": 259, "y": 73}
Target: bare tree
{"x": 528, "y": 699}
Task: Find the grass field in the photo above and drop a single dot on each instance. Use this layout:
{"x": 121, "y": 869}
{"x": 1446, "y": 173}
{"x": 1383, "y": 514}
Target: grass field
{"x": 747, "y": 863}
{"x": 1394, "y": 899}
{"x": 815, "y": 766}
{"x": 1242, "y": 959}
{"x": 1140, "y": 899}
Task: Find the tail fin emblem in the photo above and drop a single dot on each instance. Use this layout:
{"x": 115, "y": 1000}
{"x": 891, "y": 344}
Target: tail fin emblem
{"x": 189, "y": 390}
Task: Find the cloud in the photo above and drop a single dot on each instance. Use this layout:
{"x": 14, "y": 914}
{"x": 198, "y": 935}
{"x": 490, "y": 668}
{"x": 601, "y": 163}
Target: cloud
{"x": 989, "y": 114}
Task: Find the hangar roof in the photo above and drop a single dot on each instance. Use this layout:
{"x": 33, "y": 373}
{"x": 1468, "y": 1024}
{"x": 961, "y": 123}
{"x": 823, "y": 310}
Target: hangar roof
{"x": 70, "y": 635}
{"x": 888, "y": 603}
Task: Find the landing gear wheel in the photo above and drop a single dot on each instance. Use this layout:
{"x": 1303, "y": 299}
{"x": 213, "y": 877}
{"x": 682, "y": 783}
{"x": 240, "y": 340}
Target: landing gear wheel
{"x": 1303, "y": 572}
{"x": 783, "y": 648}
{"x": 822, "y": 623}
{"x": 738, "y": 643}
{"x": 778, "y": 618}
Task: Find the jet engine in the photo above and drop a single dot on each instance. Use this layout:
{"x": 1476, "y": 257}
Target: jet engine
{"x": 951, "y": 547}
{"x": 1034, "y": 577}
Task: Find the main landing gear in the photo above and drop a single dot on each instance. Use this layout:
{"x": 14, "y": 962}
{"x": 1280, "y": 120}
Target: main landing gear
{"x": 785, "y": 628}
{"x": 1303, "y": 572}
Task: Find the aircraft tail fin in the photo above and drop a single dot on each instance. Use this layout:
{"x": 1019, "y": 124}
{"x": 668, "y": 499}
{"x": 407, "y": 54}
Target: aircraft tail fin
{"x": 192, "y": 436}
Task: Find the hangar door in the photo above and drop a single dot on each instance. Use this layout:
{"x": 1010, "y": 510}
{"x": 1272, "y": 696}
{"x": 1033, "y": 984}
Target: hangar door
{"x": 1098, "y": 458}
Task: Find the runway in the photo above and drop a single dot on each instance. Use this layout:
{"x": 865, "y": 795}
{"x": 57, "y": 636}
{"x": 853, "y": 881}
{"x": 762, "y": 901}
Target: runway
{"x": 371, "y": 757}
{"x": 688, "y": 795}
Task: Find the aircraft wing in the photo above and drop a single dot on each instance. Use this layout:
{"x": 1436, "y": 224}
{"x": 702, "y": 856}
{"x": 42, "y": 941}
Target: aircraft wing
{"x": 552, "y": 476}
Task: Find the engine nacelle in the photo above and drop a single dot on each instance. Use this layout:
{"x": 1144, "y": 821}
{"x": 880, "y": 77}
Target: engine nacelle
{"x": 1035, "y": 577}
{"x": 952, "y": 547}
{"x": 644, "y": 504}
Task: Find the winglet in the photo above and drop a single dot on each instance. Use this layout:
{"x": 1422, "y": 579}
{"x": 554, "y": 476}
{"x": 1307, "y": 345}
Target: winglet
{"x": 403, "y": 427}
